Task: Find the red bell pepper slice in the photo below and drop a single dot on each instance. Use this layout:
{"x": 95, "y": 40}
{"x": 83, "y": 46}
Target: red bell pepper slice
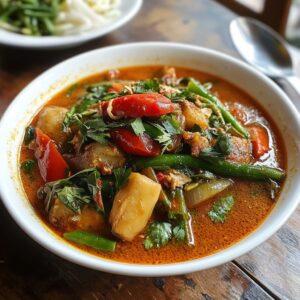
{"x": 139, "y": 105}
{"x": 51, "y": 163}
{"x": 260, "y": 140}
{"x": 130, "y": 143}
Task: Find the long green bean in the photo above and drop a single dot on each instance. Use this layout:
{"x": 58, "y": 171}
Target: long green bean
{"x": 196, "y": 88}
{"x": 91, "y": 240}
{"x": 212, "y": 164}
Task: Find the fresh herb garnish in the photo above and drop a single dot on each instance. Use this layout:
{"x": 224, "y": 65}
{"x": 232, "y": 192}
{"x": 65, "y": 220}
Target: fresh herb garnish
{"x": 28, "y": 166}
{"x": 158, "y": 235}
{"x": 146, "y": 86}
{"x": 221, "y": 209}
{"x": 138, "y": 126}
{"x": 223, "y": 144}
{"x": 163, "y": 130}
{"x": 76, "y": 191}
{"x": 121, "y": 176}
{"x": 179, "y": 232}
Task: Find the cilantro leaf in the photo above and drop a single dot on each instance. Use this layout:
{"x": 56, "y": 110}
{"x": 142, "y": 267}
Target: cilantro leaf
{"x": 179, "y": 232}
{"x": 158, "y": 235}
{"x": 221, "y": 209}
{"x": 121, "y": 176}
{"x": 138, "y": 126}
{"x": 146, "y": 86}
{"x": 163, "y": 130}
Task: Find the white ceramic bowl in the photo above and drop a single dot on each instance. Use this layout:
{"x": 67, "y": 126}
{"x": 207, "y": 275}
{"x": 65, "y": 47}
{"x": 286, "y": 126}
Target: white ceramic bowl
{"x": 35, "y": 95}
{"x": 128, "y": 8}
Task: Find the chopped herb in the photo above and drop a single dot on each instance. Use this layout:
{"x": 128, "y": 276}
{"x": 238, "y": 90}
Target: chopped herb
{"x": 223, "y": 144}
{"x": 29, "y": 135}
{"x": 73, "y": 197}
{"x": 163, "y": 130}
{"x": 158, "y": 235}
{"x": 179, "y": 232}
{"x": 137, "y": 126}
{"x": 28, "y": 166}
{"x": 121, "y": 176}
{"x": 146, "y": 86}
{"x": 76, "y": 191}
{"x": 221, "y": 209}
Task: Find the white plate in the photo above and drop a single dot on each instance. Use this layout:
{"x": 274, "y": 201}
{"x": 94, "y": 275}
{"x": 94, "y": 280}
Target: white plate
{"x": 36, "y": 94}
{"x": 129, "y": 9}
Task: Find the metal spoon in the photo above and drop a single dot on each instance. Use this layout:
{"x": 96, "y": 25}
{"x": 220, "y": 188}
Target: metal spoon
{"x": 262, "y": 47}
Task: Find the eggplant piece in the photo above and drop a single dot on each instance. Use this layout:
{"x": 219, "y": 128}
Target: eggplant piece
{"x": 133, "y": 206}
{"x": 104, "y": 157}
{"x": 64, "y": 218}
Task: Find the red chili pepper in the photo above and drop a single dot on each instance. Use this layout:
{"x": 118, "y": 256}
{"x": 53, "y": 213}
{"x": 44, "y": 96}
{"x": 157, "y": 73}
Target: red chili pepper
{"x": 51, "y": 163}
{"x": 140, "y": 105}
{"x": 130, "y": 143}
{"x": 260, "y": 140}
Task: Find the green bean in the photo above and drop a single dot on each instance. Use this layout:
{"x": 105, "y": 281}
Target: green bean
{"x": 213, "y": 164}
{"x": 91, "y": 240}
{"x": 196, "y": 88}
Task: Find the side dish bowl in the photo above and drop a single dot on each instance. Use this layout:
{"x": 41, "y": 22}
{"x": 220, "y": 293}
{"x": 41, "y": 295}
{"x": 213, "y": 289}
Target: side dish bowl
{"x": 35, "y": 95}
{"x": 128, "y": 9}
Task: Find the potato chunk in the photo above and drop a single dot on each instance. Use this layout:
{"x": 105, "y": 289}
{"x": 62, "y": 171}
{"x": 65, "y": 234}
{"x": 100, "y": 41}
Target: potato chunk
{"x": 195, "y": 115}
{"x": 50, "y": 122}
{"x": 133, "y": 206}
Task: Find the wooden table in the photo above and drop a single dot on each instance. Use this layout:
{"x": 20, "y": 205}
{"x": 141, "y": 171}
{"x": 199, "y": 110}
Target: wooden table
{"x": 28, "y": 271}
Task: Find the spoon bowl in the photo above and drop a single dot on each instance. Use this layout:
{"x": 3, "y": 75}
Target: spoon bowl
{"x": 266, "y": 50}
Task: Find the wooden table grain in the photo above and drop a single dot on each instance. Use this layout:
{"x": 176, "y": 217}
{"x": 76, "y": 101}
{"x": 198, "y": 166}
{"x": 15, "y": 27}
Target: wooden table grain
{"x": 28, "y": 271}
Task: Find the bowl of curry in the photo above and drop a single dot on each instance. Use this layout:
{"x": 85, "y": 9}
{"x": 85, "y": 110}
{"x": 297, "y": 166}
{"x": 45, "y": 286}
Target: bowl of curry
{"x": 150, "y": 159}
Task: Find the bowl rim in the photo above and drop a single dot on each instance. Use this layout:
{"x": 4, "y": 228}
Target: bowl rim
{"x": 213, "y": 260}
{"x": 9, "y": 38}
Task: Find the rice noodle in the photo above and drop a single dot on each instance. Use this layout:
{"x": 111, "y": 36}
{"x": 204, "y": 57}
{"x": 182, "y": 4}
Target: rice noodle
{"x": 77, "y": 16}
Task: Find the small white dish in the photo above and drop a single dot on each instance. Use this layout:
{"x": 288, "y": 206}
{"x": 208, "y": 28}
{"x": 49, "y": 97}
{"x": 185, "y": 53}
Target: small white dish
{"x": 128, "y": 8}
{"x": 36, "y": 94}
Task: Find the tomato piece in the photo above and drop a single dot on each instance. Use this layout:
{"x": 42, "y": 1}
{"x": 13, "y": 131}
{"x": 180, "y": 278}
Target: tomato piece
{"x": 139, "y": 105}
{"x": 51, "y": 163}
{"x": 130, "y": 143}
{"x": 260, "y": 140}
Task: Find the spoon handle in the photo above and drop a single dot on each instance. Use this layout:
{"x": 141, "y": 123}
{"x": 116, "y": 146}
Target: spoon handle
{"x": 291, "y": 85}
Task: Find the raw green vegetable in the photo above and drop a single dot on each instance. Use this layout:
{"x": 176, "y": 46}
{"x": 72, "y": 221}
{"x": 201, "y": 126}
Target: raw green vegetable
{"x": 28, "y": 166}
{"x": 213, "y": 164}
{"x": 198, "y": 89}
{"x": 221, "y": 209}
{"x": 158, "y": 235}
{"x": 29, "y": 17}
{"x": 205, "y": 190}
{"x": 91, "y": 240}
{"x": 121, "y": 176}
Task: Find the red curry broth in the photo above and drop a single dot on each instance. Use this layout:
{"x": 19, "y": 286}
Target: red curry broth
{"x": 252, "y": 205}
